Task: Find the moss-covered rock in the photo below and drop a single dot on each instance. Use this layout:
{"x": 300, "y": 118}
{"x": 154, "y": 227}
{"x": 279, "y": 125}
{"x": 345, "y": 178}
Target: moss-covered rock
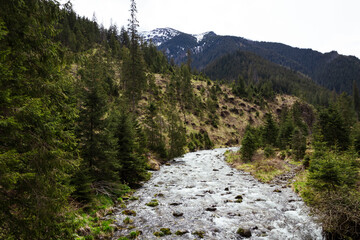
{"x": 181, "y": 232}
{"x": 166, "y": 231}
{"x": 127, "y": 220}
{"x": 200, "y": 234}
{"x": 153, "y": 203}
{"x": 246, "y": 233}
{"x": 129, "y": 212}
{"x": 163, "y": 232}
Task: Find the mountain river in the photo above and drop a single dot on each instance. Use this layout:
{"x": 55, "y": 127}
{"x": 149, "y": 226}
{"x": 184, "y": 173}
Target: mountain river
{"x": 199, "y": 195}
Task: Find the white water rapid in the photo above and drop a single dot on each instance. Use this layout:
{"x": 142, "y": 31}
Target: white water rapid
{"x": 199, "y": 192}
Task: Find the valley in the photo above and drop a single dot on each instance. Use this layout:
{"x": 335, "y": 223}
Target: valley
{"x": 109, "y": 133}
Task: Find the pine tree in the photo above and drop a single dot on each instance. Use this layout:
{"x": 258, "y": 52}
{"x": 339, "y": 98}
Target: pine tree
{"x": 248, "y": 145}
{"x": 270, "y": 130}
{"x": 133, "y": 67}
{"x": 285, "y": 131}
{"x": 177, "y": 136}
{"x": 154, "y": 131}
{"x": 298, "y": 144}
{"x": 345, "y": 107}
{"x": 95, "y": 130}
{"x": 333, "y": 128}
{"x": 130, "y": 156}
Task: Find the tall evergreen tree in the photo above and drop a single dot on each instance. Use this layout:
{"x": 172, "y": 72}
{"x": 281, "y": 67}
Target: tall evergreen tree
{"x": 333, "y": 128}
{"x": 133, "y": 67}
{"x": 248, "y": 145}
{"x": 177, "y": 136}
{"x": 298, "y": 144}
{"x": 270, "y": 131}
{"x": 95, "y": 132}
{"x": 130, "y": 156}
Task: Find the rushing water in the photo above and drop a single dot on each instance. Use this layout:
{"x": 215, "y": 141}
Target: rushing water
{"x": 200, "y": 189}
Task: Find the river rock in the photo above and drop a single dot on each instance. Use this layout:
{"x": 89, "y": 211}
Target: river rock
{"x": 178, "y": 214}
{"x": 243, "y": 232}
{"x": 154, "y": 165}
{"x": 239, "y": 197}
{"x": 175, "y": 204}
{"x": 211, "y": 209}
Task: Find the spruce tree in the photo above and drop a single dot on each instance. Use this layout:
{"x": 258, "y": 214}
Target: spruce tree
{"x": 95, "y": 131}
{"x": 333, "y": 128}
{"x": 177, "y": 136}
{"x": 133, "y": 73}
{"x": 154, "y": 131}
{"x": 248, "y": 145}
{"x": 285, "y": 130}
{"x": 270, "y": 130}
{"x": 298, "y": 144}
{"x": 130, "y": 155}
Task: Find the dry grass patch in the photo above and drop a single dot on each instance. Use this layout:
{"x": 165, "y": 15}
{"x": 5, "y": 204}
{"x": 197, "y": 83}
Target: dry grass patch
{"x": 262, "y": 168}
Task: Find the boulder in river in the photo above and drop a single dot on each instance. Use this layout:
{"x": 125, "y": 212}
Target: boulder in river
{"x": 243, "y": 232}
{"x": 178, "y": 214}
{"x": 181, "y": 232}
{"x": 154, "y": 165}
{"x": 211, "y": 209}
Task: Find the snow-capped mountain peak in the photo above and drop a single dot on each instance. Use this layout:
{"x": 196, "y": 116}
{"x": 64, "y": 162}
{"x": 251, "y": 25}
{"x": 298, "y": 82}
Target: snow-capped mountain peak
{"x": 159, "y": 35}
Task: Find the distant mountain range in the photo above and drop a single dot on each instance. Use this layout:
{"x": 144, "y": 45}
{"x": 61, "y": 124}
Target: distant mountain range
{"x": 331, "y": 70}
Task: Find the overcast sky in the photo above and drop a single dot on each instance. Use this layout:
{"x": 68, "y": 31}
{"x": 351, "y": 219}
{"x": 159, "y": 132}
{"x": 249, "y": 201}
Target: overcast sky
{"x": 323, "y": 25}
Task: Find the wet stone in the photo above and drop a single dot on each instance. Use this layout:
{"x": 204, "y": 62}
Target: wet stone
{"x": 178, "y": 214}
{"x": 246, "y": 233}
{"x": 181, "y": 232}
{"x": 260, "y": 200}
{"x": 211, "y": 209}
{"x": 209, "y": 191}
{"x": 239, "y": 197}
{"x": 175, "y": 204}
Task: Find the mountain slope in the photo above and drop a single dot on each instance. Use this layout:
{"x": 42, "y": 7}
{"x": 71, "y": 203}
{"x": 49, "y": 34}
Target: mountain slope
{"x": 256, "y": 70}
{"x": 326, "y": 69}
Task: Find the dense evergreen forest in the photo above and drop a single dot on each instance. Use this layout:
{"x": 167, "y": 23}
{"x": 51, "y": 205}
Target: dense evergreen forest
{"x": 83, "y": 114}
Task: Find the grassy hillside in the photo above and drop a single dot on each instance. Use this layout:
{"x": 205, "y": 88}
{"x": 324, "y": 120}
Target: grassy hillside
{"x": 233, "y": 112}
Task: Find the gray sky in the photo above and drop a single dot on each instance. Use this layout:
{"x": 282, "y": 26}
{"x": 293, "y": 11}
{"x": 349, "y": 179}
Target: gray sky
{"x": 323, "y": 25}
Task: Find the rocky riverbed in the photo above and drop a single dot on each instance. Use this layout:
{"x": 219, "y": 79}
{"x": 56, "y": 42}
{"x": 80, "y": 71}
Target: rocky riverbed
{"x": 200, "y": 196}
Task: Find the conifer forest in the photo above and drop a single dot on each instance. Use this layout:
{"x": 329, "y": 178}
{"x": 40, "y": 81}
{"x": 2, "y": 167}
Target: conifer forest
{"x": 89, "y": 114}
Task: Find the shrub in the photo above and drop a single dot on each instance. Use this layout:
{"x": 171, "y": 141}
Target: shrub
{"x": 269, "y": 151}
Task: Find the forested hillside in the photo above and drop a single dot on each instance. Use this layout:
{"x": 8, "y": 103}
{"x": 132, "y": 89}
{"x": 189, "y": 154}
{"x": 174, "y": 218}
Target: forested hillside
{"x": 86, "y": 112}
{"x": 325, "y": 69}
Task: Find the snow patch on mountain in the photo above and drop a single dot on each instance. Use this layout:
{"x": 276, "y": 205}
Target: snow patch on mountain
{"x": 200, "y": 37}
{"x": 159, "y": 35}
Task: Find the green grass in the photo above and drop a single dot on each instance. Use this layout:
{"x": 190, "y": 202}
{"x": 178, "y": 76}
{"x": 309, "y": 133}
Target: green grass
{"x": 263, "y": 169}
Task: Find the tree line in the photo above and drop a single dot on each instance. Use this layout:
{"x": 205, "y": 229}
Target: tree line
{"x": 71, "y": 126}
{"x": 331, "y": 185}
